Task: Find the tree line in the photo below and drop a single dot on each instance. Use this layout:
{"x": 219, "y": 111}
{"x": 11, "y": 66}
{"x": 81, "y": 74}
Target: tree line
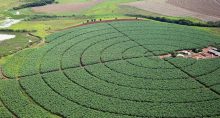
{"x": 34, "y": 4}
{"x": 178, "y": 21}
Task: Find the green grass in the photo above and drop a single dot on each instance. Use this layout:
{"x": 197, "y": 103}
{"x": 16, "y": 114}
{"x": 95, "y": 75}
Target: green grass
{"x": 11, "y": 46}
{"x": 113, "y": 70}
{"x": 46, "y": 27}
{"x": 109, "y": 8}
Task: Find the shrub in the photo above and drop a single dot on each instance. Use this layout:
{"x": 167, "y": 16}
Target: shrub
{"x": 35, "y": 4}
{"x": 196, "y": 50}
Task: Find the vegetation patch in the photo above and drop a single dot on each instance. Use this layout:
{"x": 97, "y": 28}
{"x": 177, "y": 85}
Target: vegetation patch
{"x": 112, "y": 69}
{"x": 20, "y": 41}
{"x": 35, "y": 4}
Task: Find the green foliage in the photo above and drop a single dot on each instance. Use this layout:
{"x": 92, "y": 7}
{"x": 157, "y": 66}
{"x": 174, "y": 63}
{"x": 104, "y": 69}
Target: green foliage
{"x": 196, "y": 50}
{"x": 35, "y": 4}
{"x": 113, "y": 70}
{"x": 4, "y": 112}
{"x": 179, "y": 21}
{"x": 15, "y": 100}
{"x": 16, "y": 44}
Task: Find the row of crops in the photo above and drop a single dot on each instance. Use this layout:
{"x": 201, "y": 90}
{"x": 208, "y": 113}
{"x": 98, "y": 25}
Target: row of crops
{"x": 113, "y": 70}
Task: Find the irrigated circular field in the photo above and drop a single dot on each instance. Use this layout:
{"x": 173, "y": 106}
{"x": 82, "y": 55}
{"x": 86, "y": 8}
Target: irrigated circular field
{"x": 113, "y": 69}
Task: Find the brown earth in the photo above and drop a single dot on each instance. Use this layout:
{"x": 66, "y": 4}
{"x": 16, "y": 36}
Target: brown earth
{"x": 208, "y": 7}
{"x": 207, "y": 10}
{"x": 69, "y": 7}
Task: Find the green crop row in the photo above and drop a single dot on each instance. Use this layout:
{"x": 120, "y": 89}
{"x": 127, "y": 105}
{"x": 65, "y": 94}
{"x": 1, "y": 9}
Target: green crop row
{"x": 4, "y": 113}
{"x": 112, "y": 77}
{"x": 62, "y": 50}
{"x": 17, "y": 102}
{"x": 211, "y": 78}
{"x": 57, "y": 88}
{"x": 202, "y": 67}
{"x": 57, "y": 104}
{"x": 12, "y": 67}
{"x": 114, "y": 70}
{"x": 139, "y": 72}
{"x": 98, "y": 87}
{"x": 76, "y": 31}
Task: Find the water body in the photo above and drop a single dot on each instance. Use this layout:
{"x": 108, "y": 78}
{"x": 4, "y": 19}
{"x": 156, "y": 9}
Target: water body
{"x": 9, "y": 22}
{"x": 6, "y": 37}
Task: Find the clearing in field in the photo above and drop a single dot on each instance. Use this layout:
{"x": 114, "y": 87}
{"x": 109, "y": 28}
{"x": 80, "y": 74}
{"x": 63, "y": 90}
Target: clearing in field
{"x": 67, "y": 7}
{"x": 207, "y": 10}
{"x": 112, "y": 69}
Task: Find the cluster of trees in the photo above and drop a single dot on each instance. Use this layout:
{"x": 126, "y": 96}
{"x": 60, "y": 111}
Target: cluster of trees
{"x": 22, "y": 31}
{"x": 35, "y": 4}
{"x": 178, "y": 21}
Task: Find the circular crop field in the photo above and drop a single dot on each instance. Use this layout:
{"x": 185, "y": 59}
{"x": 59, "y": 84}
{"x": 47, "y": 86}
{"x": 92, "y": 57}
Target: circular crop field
{"x": 113, "y": 69}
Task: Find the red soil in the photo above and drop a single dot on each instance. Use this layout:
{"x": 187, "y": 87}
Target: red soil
{"x": 70, "y": 7}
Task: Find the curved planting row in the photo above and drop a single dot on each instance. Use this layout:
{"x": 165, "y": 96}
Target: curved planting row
{"x": 113, "y": 70}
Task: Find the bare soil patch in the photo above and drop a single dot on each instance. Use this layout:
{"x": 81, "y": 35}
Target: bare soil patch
{"x": 69, "y": 7}
{"x": 208, "y": 7}
{"x": 207, "y": 10}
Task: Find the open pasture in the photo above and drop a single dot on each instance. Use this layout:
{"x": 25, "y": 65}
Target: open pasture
{"x": 113, "y": 70}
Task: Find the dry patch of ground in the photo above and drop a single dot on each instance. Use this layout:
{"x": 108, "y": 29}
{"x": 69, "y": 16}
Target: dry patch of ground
{"x": 207, "y": 10}
{"x": 68, "y": 7}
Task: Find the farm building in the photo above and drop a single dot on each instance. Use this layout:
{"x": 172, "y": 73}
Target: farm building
{"x": 214, "y": 52}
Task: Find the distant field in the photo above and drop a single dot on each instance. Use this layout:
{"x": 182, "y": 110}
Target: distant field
{"x": 111, "y": 70}
{"x": 202, "y": 9}
{"x": 68, "y": 7}
{"x": 207, "y": 7}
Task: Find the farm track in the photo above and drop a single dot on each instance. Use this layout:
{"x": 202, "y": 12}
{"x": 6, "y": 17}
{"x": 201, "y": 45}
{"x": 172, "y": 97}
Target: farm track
{"x": 84, "y": 65}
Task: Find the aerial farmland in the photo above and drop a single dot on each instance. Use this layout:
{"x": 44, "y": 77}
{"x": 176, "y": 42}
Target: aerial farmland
{"x": 110, "y": 59}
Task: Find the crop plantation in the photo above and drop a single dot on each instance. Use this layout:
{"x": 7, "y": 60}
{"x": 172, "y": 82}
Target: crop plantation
{"x": 113, "y": 70}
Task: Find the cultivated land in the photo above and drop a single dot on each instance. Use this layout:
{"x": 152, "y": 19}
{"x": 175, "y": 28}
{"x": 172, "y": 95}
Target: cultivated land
{"x": 202, "y": 9}
{"x": 68, "y": 7}
{"x": 63, "y": 64}
{"x": 113, "y": 69}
